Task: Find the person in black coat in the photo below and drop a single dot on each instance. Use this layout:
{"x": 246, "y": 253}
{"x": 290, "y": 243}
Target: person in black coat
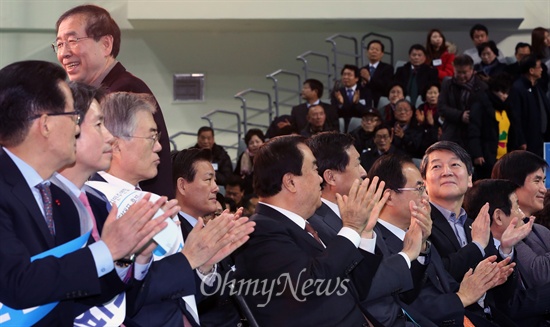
{"x": 530, "y": 106}
{"x": 489, "y": 65}
{"x": 415, "y": 75}
{"x": 377, "y": 75}
{"x": 491, "y": 130}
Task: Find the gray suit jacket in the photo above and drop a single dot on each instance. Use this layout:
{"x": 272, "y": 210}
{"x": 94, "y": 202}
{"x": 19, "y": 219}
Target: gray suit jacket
{"x": 533, "y": 257}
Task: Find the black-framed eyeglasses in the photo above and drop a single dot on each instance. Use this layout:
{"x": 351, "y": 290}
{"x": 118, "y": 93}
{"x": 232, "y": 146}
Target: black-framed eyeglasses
{"x": 71, "y": 43}
{"x": 155, "y": 137}
{"x": 420, "y": 189}
{"x": 76, "y": 115}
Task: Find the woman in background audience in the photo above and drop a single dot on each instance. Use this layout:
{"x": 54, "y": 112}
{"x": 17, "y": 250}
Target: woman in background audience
{"x": 396, "y": 93}
{"x": 426, "y": 114}
{"x": 489, "y": 65}
{"x": 437, "y": 54}
{"x": 254, "y": 138}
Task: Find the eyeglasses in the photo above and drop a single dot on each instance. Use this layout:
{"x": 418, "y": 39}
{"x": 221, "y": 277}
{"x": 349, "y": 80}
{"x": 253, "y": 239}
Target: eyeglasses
{"x": 71, "y": 42}
{"x": 420, "y": 189}
{"x": 76, "y": 115}
{"x": 155, "y": 137}
{"x": 381, "y": 137}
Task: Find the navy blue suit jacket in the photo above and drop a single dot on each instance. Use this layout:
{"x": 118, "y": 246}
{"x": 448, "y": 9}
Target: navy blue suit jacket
{"x": 23, "y": 234}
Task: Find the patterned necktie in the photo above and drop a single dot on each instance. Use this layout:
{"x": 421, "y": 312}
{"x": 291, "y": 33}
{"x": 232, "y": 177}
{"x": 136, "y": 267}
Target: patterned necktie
{"x": 48, "y": 209}
{"x": 313, "y": 233}
{"x": 349, "y": 93}
{"x": 371, "y": 70}
{"x": 84, "y": 199}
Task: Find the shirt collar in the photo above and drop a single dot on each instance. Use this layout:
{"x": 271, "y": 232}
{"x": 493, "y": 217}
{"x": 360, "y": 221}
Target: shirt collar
{"x": 450, "y": 216}
{"x": 29, "y": 173}
{"x": 191, "y": 220}
{"x": 398, "y": 232}
{"x": 333, "y": 206}
{"x": 375, "y": 65}
{"x": 70, "y": 185}
{"x": 300, "y": 221}
{"x": 117, "y": 181}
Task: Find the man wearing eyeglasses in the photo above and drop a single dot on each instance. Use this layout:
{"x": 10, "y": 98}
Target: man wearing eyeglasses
{"x": 38, "y": 126}
{"x": 438, "y": 300}
{"x": 338, "y": 165}
{"x": 87, "y": 44}
{"x": 170, "y": 292}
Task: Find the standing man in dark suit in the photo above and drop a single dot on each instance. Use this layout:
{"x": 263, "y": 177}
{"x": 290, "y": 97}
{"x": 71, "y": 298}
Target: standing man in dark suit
{"x": 312, "y": 92}
{"x": 38, "y": 126}
{"x": 377, "y": 76}
{"x": 196, "y": 190}
{"x": 351, "y": 98}
{"x": 530, "y": 107}
{"x": 284, "y": 247}
{"x": 416, "y": 75}
{"x": 87, "y": 44}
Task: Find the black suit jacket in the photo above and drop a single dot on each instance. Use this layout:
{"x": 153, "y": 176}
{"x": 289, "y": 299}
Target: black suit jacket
{"x": 119, "y": 79}
{"x": 349, "y": 109}
{"x": 280, "y": 249}
{"x": 525, "y": 108}
{"x": 457, "y": 260}
{"x": 217, "y": 309}
{"x": 299, "y": 115}
{"x": 436, "y": 303}
{"x": 23, "y": 234}
{"x": 380, "y": 81}
{"x": 425, "y": 75}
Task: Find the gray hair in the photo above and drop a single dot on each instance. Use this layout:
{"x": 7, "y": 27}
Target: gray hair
{"x": 120, "y": 109}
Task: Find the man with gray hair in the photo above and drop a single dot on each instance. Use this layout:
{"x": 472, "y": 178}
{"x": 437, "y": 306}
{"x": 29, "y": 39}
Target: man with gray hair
{"x": 168, "y": 296}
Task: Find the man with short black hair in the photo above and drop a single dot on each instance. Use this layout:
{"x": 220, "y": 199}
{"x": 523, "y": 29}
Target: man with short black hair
{"x": 285, "y": 247}
{"x": 220, "y": 159}
{"x": 312, "y": 92}
{"x": 458, "y": 95}
{"x": 351, "y": 98}
{"x": 416, "y": 75}
{"x": 376, "y": 75}
{"x": 38, "y": 126}
{"x": 522, "y": 50}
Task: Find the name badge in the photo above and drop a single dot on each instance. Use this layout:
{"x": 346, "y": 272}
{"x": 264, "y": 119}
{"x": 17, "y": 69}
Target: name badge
{"x": 437, "y": 62}
{"x": 215, "y": 165}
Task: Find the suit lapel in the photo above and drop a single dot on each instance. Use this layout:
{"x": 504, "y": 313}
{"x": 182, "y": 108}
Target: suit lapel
{"x": 65, "y": 216}
{"x": 99, "y": 209}
{"x": 330, "y": 218}
{"x": 441, "y": 223}
{"x": 21, "y": 191}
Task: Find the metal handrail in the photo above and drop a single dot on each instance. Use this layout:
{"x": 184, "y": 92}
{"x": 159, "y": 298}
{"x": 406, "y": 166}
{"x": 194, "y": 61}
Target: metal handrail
{"x": 258, "y": 111}
{"x": 294, "y": 92}
{"x": 303, "y": 58}
{"x": 335, "y": 52}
